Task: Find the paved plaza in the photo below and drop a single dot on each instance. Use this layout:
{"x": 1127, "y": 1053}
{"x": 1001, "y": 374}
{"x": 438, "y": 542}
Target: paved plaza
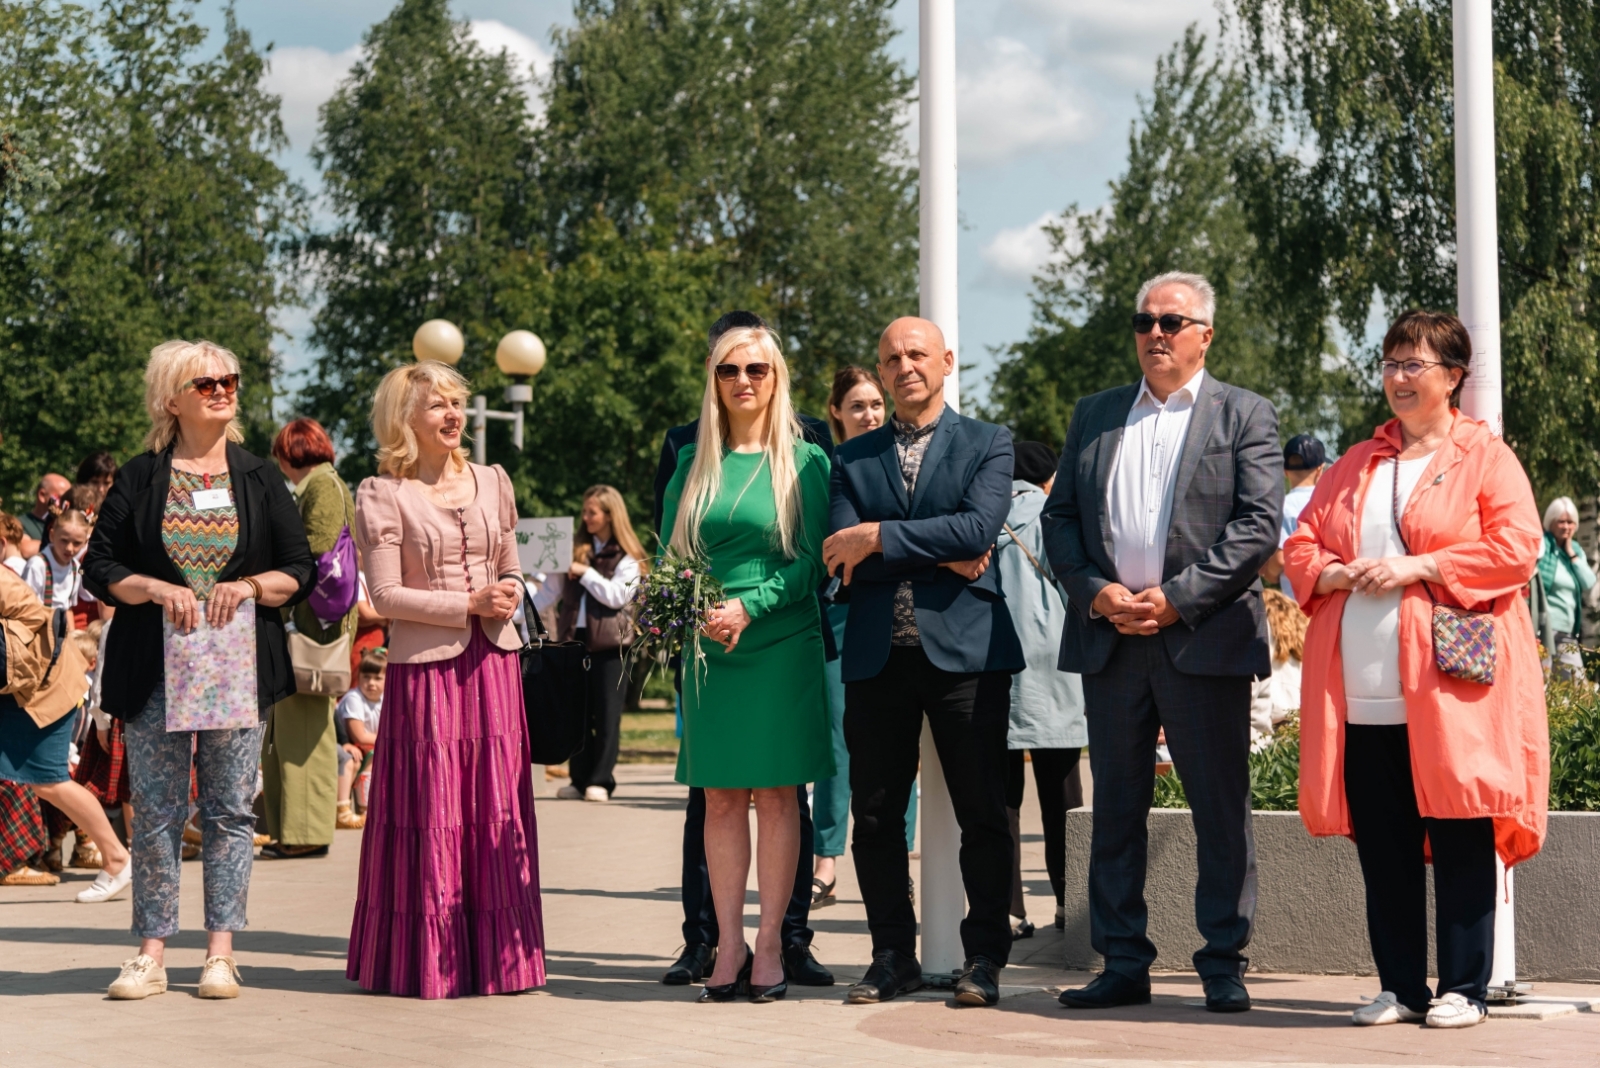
{"x": 610, "y": 877}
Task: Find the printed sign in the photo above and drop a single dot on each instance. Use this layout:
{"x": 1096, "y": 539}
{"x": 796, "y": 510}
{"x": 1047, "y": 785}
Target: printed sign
{"x": 545, "y": 544}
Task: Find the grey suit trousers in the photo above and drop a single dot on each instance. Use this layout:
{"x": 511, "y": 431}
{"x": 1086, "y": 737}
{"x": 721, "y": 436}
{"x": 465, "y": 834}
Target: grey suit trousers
{"x": 1207, "y": 720}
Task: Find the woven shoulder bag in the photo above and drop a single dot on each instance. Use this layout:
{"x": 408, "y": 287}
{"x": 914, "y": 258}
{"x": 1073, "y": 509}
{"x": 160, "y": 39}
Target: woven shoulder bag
{"x": 1463, "y": 641}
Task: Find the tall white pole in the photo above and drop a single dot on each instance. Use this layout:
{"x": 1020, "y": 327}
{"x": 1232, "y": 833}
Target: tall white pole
{"x": 1478, "y": 302}
{"x": 943, "y": 895}
{"x": 1477, "y": 240}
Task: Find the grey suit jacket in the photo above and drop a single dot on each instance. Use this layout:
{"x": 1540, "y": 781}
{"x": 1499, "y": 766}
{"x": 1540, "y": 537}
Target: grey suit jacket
{"x": 1226, "y": 505}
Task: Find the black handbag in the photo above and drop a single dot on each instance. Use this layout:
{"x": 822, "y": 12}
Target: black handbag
{"x": 555, "y": 691}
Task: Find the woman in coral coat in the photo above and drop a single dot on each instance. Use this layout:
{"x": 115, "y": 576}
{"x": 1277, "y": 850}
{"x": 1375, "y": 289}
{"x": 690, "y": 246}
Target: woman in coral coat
{"x": 1410, "y": 761}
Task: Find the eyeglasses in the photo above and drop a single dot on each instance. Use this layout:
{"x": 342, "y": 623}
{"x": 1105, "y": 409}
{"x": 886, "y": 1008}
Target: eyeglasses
{"x": 1171, "y": 323}
{"x": 729, "y": 372}
{"x": 1412, "y": 368}
{"x": 207, "y": 386}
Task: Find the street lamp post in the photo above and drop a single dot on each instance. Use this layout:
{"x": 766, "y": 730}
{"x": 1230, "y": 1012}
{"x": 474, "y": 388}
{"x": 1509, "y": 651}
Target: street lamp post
{"x": 520, "y": 354}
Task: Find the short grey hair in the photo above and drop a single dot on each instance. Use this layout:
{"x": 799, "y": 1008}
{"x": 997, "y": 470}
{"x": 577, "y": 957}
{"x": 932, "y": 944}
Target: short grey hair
{"x": 1560, "y": 508}
{"x": 1197, "y": 284}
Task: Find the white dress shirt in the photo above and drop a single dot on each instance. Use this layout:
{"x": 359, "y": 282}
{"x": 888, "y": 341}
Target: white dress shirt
{"x": 1139, "y": 494}
{"x": 613, "y": 592}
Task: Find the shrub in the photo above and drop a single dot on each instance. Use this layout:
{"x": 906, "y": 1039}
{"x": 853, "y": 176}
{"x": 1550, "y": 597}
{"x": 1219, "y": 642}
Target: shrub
{"x": 1574, "y": 759}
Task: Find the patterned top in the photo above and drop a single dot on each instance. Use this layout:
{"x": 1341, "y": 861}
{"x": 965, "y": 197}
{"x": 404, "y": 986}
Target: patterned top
{"x": 199, "y": 541}
{"x": 910, "y": 445}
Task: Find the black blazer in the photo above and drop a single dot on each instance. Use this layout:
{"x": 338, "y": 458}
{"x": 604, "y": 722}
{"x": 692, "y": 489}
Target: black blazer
{"x": 1226, "y": 507}
{"x": 127, "y": 542}
{"x": 962, "y": 497}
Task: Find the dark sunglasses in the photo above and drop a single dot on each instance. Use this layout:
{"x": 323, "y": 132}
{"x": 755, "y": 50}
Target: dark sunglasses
{"x": 1171, "y": 323}
{"x": 207, "y": 387}
{"x": 729, "y": 372}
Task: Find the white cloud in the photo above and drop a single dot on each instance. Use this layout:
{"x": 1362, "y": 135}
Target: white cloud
{"x": 1118, "y": 40}
{"x": 1018, "y": 253}
{"x": 306, "y": 77}
{"x": 1010, "y": 101}
{"x": 527, "y": 56}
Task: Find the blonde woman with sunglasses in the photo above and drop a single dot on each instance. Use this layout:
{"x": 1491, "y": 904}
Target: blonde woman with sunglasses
{"x": 751, "y": 497}
{"x": 194, "y": 527}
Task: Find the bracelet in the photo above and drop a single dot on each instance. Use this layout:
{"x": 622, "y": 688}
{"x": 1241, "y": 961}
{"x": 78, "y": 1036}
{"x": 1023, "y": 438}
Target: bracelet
{"x": 255, "y": 587}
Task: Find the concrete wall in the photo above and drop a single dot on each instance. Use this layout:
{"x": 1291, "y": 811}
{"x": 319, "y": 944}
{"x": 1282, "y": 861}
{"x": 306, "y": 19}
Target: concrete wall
{"x": 1310, "y": 913}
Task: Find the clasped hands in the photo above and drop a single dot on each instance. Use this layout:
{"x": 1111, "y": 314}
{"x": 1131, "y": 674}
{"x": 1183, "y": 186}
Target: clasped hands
{"x": 852, "y": 545}
{"x": 1375, "y": 577}
{"x": 1134, "y": 613}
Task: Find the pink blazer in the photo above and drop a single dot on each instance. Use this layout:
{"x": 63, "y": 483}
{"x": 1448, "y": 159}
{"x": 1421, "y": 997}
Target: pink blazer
{"x": 412, "y": 556}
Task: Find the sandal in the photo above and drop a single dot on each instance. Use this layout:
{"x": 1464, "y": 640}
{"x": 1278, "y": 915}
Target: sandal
{"x": 85, "y": 854}
{"x": 822, "y": 893}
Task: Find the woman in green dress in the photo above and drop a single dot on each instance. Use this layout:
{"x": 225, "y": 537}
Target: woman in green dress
{"x": 751, "y": 498}
{"x": 300, "y": 749}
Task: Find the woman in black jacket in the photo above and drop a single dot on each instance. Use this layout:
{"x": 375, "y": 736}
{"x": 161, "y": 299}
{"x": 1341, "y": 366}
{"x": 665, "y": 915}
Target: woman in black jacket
{"x": 196, "y": 525}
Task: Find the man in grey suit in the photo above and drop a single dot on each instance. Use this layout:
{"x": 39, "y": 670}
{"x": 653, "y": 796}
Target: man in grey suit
{"x": 1165, "y": 506}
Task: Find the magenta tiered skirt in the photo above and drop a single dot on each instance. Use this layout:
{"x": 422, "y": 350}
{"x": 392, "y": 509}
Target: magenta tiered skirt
{"x": 447, "y": 902}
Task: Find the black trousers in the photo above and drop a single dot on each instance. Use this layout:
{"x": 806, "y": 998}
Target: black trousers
{"x": 1207, "y": 720}
{"x": 1389, "y": 835}
{"x": 700, "y": 912}
{"x": 968, "y": 714}
{"x": 1059, "y": 780}
{"x": 596, "y": 763}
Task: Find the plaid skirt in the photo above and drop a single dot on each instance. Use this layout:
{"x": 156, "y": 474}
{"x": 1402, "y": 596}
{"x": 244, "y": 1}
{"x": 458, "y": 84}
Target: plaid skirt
{"x": 22, "y": 832}
{"x": 104, "y": 774}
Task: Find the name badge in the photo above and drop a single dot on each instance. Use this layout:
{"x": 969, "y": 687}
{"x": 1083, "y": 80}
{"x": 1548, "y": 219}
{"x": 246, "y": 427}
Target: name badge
{"x": 205, "y": 500}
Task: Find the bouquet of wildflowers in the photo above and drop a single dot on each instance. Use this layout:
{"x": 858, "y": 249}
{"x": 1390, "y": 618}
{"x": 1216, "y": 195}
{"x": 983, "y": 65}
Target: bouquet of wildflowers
{"x": 670, "y": 608}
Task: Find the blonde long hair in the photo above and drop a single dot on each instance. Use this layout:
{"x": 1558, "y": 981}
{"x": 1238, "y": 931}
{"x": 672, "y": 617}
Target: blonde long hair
{"x": 783, "y": 436}
{"x": 616, "y": 510}
{"x": 396, "y": 402}
{"x": 172, "y": 365}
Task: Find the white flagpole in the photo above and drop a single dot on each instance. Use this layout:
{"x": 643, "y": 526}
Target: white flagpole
{"x": 942, "y": 892}
{"x": 1478, "y": 303}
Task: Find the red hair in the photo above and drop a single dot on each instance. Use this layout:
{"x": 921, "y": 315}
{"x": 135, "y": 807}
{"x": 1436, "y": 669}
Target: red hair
{"x": 303, "y": 443}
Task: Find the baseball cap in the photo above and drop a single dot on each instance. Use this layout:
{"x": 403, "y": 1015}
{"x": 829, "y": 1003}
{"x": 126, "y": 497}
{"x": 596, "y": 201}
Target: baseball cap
{"x": 1304, "y": 453}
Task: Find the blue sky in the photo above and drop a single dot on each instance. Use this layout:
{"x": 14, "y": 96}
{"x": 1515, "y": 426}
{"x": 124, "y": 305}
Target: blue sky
{"x": 1047, "y": 89}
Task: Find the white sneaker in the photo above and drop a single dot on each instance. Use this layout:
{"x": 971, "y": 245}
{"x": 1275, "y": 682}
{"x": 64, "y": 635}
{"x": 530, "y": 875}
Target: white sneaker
{"x": 219, "y": 978}
{"x": 1384, "y": 1009}
{"x": 595, "y": 793}
{"x": 570, "y": 793}
{"x": 1453, "y": 1010}
{"x": 107, "y": 886}
{"x": 140, "y": 978}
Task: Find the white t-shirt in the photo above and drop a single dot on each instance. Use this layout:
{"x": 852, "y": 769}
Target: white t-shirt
{"x": 16, "y": 563}
{"x": 354, "y": 705}
{"x": 68, "y": 578}
{"x": 1369, "y": 633}
{"x": 1294, "y": 502}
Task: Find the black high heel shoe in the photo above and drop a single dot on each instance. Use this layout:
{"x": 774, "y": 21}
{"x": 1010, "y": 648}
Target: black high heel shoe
{"x": 740, "y": 984}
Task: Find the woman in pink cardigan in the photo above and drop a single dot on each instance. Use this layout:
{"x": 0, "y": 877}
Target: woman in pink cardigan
{"x": 448, "y": 897}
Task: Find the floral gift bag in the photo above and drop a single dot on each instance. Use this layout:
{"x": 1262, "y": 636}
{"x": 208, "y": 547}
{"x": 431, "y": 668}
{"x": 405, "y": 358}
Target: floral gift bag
{"x": 211, "y": 674}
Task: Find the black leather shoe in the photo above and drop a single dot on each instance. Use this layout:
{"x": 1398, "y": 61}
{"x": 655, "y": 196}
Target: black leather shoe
{"x": 1226, "y": 993}
{"x": 696, "y": 960}
{"x": 803, "y": 969}
{"x": 979, "y": 983}
{"x": 764, "y": 995}
{"x": 891, "y": 975}
{"x": 738, "y": 988}
{"x": 1107, "y": 991}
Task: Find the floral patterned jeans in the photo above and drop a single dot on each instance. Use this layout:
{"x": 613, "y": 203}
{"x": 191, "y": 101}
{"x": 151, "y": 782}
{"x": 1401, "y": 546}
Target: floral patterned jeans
{"x": 158, "y": 779}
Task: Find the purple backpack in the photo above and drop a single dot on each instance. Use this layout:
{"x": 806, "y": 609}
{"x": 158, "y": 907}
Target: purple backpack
{"x": 338, "y": 581}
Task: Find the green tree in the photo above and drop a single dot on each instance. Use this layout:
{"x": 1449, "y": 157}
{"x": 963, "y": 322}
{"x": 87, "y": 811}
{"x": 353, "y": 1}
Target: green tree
{"x": 424, "y": 158}
{"x": 153, "y": 209}
{"x": 427, "y": 154}
{"x": 766, "y": 130}
{"x": 1182, "y": 204}
{"x": 1366, "y": 94}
